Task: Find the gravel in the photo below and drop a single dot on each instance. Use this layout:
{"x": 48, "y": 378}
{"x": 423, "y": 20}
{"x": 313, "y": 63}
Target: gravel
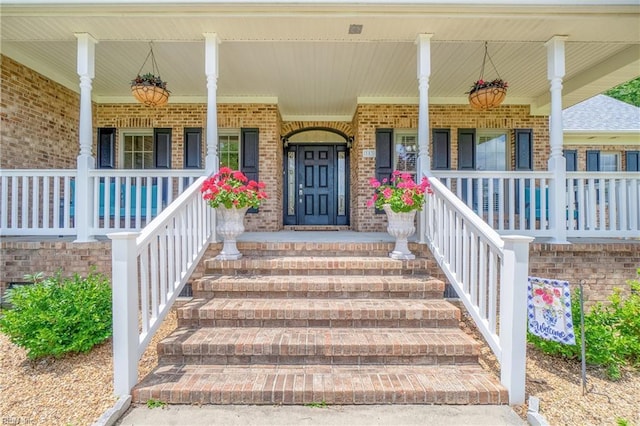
{"x": 77, "y": 389}
{"x": 557, "y": 382}
{"x": 72, "y": 390}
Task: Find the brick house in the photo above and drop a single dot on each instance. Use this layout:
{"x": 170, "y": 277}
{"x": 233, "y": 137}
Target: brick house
{"x": 313, "y": 99}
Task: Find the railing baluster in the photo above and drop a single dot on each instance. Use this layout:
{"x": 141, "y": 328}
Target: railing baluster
{"x": 153, "y": 249}
{"x": 144, "y": 289}
{"x": 613, "y": 213}
{"x": 24, "y": 216}
{"x": 46, "y": 199}
{"x": 624, "y": 192}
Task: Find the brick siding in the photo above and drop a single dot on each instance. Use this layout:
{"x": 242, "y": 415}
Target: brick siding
{"x": 264, "y": 117}
{"x": 19, "y": 258}
{"x": 38, "y": 120}
{"x": 601, "y": 267}
{"x": 368, "y": 118}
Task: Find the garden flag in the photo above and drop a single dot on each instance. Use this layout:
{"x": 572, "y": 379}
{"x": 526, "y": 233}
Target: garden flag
{"x": 549, "y": 310}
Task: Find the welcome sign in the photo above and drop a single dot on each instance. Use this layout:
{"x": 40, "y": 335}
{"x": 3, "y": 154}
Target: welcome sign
{"x": 549, "y": 310}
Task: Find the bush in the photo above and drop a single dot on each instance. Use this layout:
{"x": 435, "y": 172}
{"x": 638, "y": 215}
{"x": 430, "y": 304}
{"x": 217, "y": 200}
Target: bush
{"x": 58, "y": 315}
{"x": 612, "y": 332}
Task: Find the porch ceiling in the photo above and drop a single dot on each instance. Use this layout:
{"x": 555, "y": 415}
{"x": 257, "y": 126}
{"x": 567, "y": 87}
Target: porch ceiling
{"x": 301, "y": 56}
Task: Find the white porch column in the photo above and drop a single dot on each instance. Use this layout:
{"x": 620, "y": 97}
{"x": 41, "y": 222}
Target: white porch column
{"x": 211, "y": 71}
{"x": 83, "y": 188}
{"x": 424, "y": 160}
{"x": 557, "y": 162}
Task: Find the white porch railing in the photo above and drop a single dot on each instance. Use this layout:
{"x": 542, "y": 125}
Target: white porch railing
{"x": 603, "y": 204}
{"x": 597, "y": 204}
{"x": 489, "y": 274}
{"x": 149, "y": 270}
{"x": 43, "y": 202}
{"x": 36, "y": 202}
{"x": 134, "y": 198}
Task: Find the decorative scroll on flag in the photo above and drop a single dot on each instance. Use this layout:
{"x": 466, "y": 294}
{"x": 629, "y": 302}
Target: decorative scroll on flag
{"x": 549, "y": 310}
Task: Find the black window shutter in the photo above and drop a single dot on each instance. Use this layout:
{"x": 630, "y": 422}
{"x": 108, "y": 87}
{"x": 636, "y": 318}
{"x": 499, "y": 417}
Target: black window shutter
{"x": 524, "y": 149}
{"x": 441, "y": 149}
{"x": 162, "y": 148}
{"x": 106, "y": 148}
{"x": 192, "y": 148}
{"x": 633, "y": 161}
{"x": 466, "y": 149}
{"x": 384, "y": 155}
{"x": 593, "y": 161}
{"x": 249, "y": 155}
{"x": 571, "y": 156}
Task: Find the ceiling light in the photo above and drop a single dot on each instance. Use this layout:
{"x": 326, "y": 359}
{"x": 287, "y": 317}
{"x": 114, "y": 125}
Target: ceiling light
{"x": 355, "y": 29}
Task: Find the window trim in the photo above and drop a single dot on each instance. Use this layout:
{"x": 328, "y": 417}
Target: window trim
{"x": 480, "y": 132}
{"x": 230, "y": 132}
{"x": 618, "y": 161}
{"x": 132, "y": 132}
{"x": 397, "y": 136}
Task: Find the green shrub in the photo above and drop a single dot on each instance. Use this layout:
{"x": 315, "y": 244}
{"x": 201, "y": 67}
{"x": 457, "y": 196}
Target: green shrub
{"x": 58, "y": 315}
{"x": 612, "y": 332}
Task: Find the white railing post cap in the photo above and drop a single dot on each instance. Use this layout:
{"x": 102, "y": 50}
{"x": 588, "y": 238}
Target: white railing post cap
{"x": 515, "y": 239}
{"x": 123, "y": 235}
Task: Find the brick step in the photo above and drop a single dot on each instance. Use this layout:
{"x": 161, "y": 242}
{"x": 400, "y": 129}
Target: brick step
{"x": 269, "y": 384}
{"x": 253, "y": 345}
{"x": 318, "y": 286}
{"x": 320, "y": 265}
{"x": 309, "y": 248}
{"x": 318, "y": 313}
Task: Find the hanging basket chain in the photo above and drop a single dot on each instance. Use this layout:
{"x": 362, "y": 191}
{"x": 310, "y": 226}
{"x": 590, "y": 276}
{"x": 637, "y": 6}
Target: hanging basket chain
{"x": 484, "y": 60}
{"x": 154, "y": 64}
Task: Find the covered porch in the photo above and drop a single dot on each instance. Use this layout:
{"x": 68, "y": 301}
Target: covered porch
{"x": 254, "y": 74}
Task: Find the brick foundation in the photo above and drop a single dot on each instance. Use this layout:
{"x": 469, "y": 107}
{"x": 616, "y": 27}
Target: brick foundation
{"x": 602, "y": 266}
{"x": 18, "y": 258}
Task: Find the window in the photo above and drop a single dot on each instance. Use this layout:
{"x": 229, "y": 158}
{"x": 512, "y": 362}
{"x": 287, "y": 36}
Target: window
{"x": 602, "y": 161}
{"x": 609, "y": 161}
{"x": 405, "y": 151}
{"x": 229, "y": 150}
{"x": 138, "y": 151}
{"x": 491, "y": 154}
{"x": 491, "y": 151}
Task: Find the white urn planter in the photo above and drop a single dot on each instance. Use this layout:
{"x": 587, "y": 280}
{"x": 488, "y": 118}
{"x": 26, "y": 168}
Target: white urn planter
{"x": 230, "y": 225}
{"x": 401, "y": 226}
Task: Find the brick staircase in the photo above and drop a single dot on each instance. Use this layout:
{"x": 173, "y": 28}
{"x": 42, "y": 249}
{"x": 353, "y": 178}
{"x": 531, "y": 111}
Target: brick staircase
{"x": 303, "y": 323}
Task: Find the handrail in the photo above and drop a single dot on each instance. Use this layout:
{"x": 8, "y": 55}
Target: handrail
{"x": 489, "y": 274}
{"x": 149, "y": 269}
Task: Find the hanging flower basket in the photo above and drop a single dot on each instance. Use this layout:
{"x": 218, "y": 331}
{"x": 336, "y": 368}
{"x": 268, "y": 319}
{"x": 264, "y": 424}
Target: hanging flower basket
{"x": 486, "y": 94}
{"x": 150, "y": 95}
{"x": 487, "y": 97}
{"x": 149, "y": 89}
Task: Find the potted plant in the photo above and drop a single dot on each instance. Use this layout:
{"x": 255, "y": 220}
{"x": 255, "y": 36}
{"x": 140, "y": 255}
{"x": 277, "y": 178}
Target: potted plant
{"x": 487, "y": 94}
{"x": 150, "y": 89}
{"x": 400, "y": 197}
{"x": 231, "y": 193}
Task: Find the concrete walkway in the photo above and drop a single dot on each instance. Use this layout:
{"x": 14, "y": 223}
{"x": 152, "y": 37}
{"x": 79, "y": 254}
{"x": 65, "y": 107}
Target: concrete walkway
{"x": 338, "y": 415}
